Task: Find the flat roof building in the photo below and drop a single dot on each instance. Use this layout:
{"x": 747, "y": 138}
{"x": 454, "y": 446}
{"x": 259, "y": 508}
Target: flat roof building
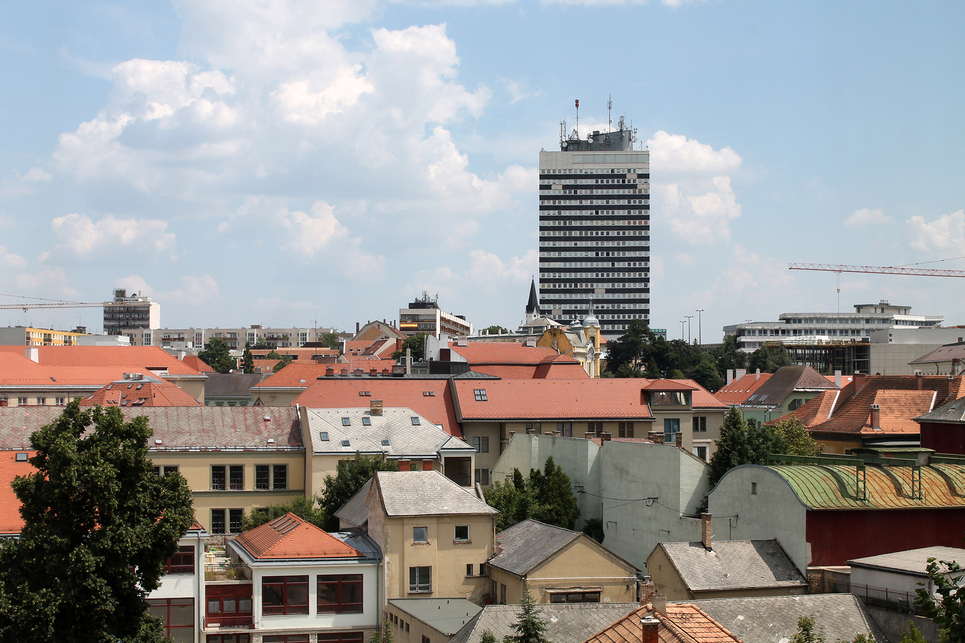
{"x": 130, "y": 312}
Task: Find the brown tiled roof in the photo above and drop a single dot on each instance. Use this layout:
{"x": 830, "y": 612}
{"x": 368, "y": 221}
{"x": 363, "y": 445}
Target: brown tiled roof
{"x": 343, "y": 392}
{"x": 10, "y": 520}
{"x": 785, "y": 381}
{"x": 741, "y": 389}
{"x": 290, "y": 537}
{"x": 682, "y": 623}
{"x": 135, "y": 393}
{"x": 898, "y": 396}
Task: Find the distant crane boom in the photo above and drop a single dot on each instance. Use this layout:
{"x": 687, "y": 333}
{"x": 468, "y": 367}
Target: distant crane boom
{"x": 881, "y": 270}
{"x": 64, "y": 304}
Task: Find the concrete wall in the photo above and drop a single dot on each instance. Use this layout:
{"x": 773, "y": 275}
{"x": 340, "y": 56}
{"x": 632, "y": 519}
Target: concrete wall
{"x": 892, "y": 359}
{"x": 754, "y": 503}
{"x": 895, "y": 624}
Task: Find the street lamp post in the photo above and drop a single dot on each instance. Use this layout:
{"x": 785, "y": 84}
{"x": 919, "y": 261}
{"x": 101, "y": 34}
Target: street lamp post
{"x": 689, "y": 317}
{"x": 700, "y": 340}
{"x": 682, "y": 322}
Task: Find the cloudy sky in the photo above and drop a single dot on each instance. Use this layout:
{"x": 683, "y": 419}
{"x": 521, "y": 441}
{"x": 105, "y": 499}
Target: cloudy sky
{"x": 276, "y": 162}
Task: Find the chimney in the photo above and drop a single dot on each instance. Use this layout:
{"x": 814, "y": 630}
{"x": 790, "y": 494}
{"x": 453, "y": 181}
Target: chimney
{"x": 33, "y": 354}
{"x": 730, "y": 376}
{"x": 739, "y": 373}
{"x": 646, "y": 590}
{"x": 919, "y": 380}
{"x": 657, "y": 437}
{"x": 758, "y": 375}
{"x": 875, "y": 417}
{"x": 356, "y": 328}
{"x": 375, "y": 407}
{"x": 329, "y": 371}
{"x": 706, "y": 535}
{"x": 660, "y": 603}
{"x": 837, "y": 378}
{"x": 680, "y": 439}
{"x": 606, "y": 436}
{"x": 650, "y": 627}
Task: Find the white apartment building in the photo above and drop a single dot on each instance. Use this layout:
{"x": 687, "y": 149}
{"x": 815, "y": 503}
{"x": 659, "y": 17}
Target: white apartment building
{"x": 812, "y": 328}
{"x": 424, "y": 316}
{"x": 196, "y": 338}
{"x": 134, "y": 312}
{"x": 594, "y": 229}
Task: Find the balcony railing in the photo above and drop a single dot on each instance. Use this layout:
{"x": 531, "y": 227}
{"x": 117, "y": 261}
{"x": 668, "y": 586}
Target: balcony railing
{"x": 223, "y": 620}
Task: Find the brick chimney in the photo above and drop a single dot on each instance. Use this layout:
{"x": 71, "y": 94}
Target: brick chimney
{"x": 680, "y": 439}
{"x": 605, "y": 436}
{"x": 875, "y": 417}
{"x": 645, "y": 590}
{"x": 706, "y": 534}
{"x": 919, "y": 380}
{"x": 657, "y": 437}
{"x": 650, "y": 627}
{"x": 329, "y": 371}
{"x": 375, "y": 407}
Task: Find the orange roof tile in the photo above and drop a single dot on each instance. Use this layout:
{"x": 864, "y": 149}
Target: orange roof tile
{"x": 740, "y": 389}
{"x": 478, "y": 353}
{"x": 289, "y": 536}
{"x": 135, "y": 393}
{"x": 553, "y": 399}
{"x": 339, "y": 392}
{"x": 10, "y": 520}
{"x": 127, "y": 358}
{"x": 295, "y": 375}
{"x": 197, "y": 364}
{"x": 682, "y": 623}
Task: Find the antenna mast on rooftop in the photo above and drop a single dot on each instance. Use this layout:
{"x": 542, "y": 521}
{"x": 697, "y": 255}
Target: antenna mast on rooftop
{"x": 609, "y": 120}
{"x": 577, "y": 130}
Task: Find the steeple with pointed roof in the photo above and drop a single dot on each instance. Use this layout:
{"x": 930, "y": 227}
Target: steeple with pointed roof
{"x": 532, "y": 306}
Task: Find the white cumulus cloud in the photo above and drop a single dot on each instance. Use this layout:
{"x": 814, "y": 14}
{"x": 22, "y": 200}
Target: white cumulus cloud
{"x": 309, "y": 233}
{"x": 867, "y": 217}
{"x": 947, "y": 232}
{"x": 82, "y": 235}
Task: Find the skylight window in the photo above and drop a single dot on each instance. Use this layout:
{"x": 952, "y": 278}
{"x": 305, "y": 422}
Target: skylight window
{"x": 323, "y": 436}
{"x": 480, "y": 394}
{"x": 385, "y": 443}
{"x": 345, "y": 443}
{"x": 346, "y": 422}
{"x": 429, "y": 393}
{"x": 415, "y": 420}
{"x": 366, "y": 421}
{"x": 365, "y": 393}
{"x": 21, "y": 457}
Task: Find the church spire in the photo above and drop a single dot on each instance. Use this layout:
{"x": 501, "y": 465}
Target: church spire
{"x": 532, "y": 306}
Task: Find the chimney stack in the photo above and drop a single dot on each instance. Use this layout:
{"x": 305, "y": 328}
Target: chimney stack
{"x": 650, "y": 627}
{"x": 706, "y": 535}
{"x": 375, "y": 407}
{"x": 356, "y": 328}
{"x": 329, "y": 371}
{"x": 657, "y": 437}
{"x": 758, "y": 375}
{"x": 919, "y": 379}
{"x": 646, "y": 590}
{"x": 680, "y": 439}
{"x": 730, "y": 376}
{"x": 660, "y": 603}
{"x": 33, "y": 354}
{"x": 739, "y": 373}
{"x": 875, "y": 417}
{"x": 837, "y": 378}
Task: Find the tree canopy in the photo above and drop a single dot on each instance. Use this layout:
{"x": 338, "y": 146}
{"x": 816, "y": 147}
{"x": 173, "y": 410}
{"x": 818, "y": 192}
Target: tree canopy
{"x": 217, "y": 355}
{"x": 495, "y": 329}
{"x": 247, "y": 360}
{"x": 99, "y": 525}
{"x": 769, "y": 358}
{"x": 331, "y": 340}
{"x": 946, "y": 605}
{"x": 417, "y": 343}
{"x": 545, "y": 495}
{"x": 349, "y": 477}
{"x": 642, "y": 353}
{"x": 743, "y": 442}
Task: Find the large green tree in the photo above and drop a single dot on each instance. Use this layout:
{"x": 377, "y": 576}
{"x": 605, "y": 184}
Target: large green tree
{"x": 749, "y": 442}
{"x": 331, "y": 340}
{"x": 417, "y": 343}
{"x": 349, "y": 477}
{"x": 642, "y": 353}
{"x": 247, "y": 360}
{"x": 545, "y": 495}
{"x": 98, "y": 527}
{"x": 217, "y": 355}
{"x": 946, "y": 604}
{"x": 769, "y": 358}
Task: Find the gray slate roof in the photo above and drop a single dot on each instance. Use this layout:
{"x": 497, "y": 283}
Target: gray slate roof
{"x": 231, "y": 384}
{"x": 529, "y": 543}
{"x": 945, "y": 353}
{"x": 733, "y": 564}
{"x": 448, "y": 615}
{"x": 785, "y": 381}
{"x": 913, "y": 561}
{"x": 197, "y": 427}
{"x": 954, "y": 412}
{"x": 425, "y": 493}
{"x": 354, "y": 511}
{"x": 395, "y": 425}
{"x": 773, "y": 619}
{"x": 566, "y": 622}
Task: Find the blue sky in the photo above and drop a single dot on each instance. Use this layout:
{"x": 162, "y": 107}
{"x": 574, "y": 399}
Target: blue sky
{"x": 274, "y": 162}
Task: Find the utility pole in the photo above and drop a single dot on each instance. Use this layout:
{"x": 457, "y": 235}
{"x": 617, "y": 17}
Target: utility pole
{"x": 700, "y": 340}
{"x": 689, "y": 317}
{"x": 682, "y": 322}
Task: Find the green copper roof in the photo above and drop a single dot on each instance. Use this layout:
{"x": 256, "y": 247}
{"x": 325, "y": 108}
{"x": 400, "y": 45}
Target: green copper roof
{"x": 836, "y": 486}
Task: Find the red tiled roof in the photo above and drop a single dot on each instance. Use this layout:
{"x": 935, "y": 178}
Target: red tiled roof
{"x": 135, "y": 393}
{"x": 480, "y": 353}
{"x": 197, "y": 364}
{"x": 897, "y": 395}
{"x": 343, "y": 392}
{"x": 553, "y": 399}
{"x": 10, "y": 520}
{"x": 740, "y": 389}
{"x": 682, "y": 623}
{"x": 669, "y": 385}
{"x": 295, "y": 375}
{"x": 289, "y": 536}
{"x": 127, "y": 358}
{"x": 16, "y": 370}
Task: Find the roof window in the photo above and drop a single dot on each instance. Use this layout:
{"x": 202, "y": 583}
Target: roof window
{"x": 346, "y": 422}
{"x": 365, "y": 393}
{"x": 345, "y": 443}
{"x": 428, "y": 393}
{"x": 415, "y": 420}
{"x": 480, "y": 394}
{"x": 22, "y": 457}
{"x": 366, "y": 421}
{"x": 385, "y": 443}
{"x": 323, "y": 436}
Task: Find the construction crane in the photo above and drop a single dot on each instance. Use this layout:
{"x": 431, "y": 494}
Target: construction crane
{"x": 53, "y": 303}
{"x": 881, "y": 270}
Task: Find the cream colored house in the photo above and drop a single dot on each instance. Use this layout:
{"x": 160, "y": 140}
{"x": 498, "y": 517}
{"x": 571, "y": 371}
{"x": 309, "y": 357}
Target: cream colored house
{"x": 435, "y": 535}
{"x": 558, "y": 566}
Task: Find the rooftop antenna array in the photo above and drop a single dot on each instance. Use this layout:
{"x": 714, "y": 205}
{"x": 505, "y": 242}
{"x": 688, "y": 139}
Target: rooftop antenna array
{"x": 577, "y": 129}
{"x": 609, "y": 120}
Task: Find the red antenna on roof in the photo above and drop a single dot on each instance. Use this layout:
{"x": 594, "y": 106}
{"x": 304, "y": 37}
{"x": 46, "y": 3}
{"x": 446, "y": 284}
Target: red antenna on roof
{"x": 577, "y": 117}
